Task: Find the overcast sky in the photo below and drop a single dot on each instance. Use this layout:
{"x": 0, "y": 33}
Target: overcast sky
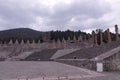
{"x": 46, "y": 15}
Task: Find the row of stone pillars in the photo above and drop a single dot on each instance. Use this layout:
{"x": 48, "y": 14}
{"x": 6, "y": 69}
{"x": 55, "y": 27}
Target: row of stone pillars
{"x": 64, "y": 43}
{"x": 57, "y": 44}
{"x": 80, "y": 38}
{"x": 94, "y": 36}
{"x": 50, "y": 44}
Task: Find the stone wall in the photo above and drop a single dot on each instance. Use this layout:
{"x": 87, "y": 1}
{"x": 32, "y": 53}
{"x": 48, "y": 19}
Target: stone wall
{"x": 112, "y": 63}
{"x": 83, "y": 63}
{"x": 10, "y": 50}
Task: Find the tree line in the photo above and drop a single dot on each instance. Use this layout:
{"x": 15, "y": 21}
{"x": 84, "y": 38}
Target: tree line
{"x": 29, "y": 34}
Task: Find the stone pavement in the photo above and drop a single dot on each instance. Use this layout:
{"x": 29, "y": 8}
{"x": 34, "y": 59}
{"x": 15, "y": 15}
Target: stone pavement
{"x": 39, "y": 70}
{"x": 107, "y": 76}
{"x": 30, "y": 70}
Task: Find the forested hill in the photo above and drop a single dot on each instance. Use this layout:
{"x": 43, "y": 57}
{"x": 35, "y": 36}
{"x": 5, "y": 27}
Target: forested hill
{"x": 27, "y": 33}
{"x": 30, "y": 34}
{"x": 20, "y": 33}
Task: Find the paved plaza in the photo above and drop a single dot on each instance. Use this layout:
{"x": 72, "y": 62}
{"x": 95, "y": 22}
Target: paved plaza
{"x": 49, "y": 71}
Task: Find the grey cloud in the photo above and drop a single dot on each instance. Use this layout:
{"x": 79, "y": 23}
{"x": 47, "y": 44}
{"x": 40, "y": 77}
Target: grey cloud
{"x": 85, "y": 9}
{"x": 13, "y": 13}
{"x": 22, "y": 13}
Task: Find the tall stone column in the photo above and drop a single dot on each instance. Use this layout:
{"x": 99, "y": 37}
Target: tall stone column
{"x": 58, "y": 43}
{"x": 64, "y": 43}
{"x": 101, "y": 38}
{"x": 93, "y": 37}
{"x": 109, "y": 36}
{"x": 68, "y": 39}
{"x": 53, "y": 44}
{"x": 33, "y": 44}
{"x": 10, "y": 42}
{"x": 96, "y": 44}
{"x": 48, "y": 45}
{"x": 85, "y": 38}
{"x": 28, "y": 42}
{"x": 28, "y": 45}
{"x": 0, "y": 41}
{"x": 116, "y": 30}
{"x": 89, "y": 38}
{"x": 16, "y": 42}
{"x": 39, "y": 42}
{"x": 74, "y": 39}
{"x": 22, "y": 42}
{"x": 80, "y": 38}
{"x": 4, "y": 43}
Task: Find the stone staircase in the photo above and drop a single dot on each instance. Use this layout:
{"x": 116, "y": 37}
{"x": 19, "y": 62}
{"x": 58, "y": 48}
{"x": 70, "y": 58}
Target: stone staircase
{"x": 107, "y": 54}
{"x": 89, "y": 53}
{"x": 43, "y": 55}
{"x": 63, "y": 52}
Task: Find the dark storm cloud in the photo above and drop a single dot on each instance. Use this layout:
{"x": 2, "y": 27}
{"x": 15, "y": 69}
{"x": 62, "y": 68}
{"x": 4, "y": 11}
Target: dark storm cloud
{"x": 61, "y": 15}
